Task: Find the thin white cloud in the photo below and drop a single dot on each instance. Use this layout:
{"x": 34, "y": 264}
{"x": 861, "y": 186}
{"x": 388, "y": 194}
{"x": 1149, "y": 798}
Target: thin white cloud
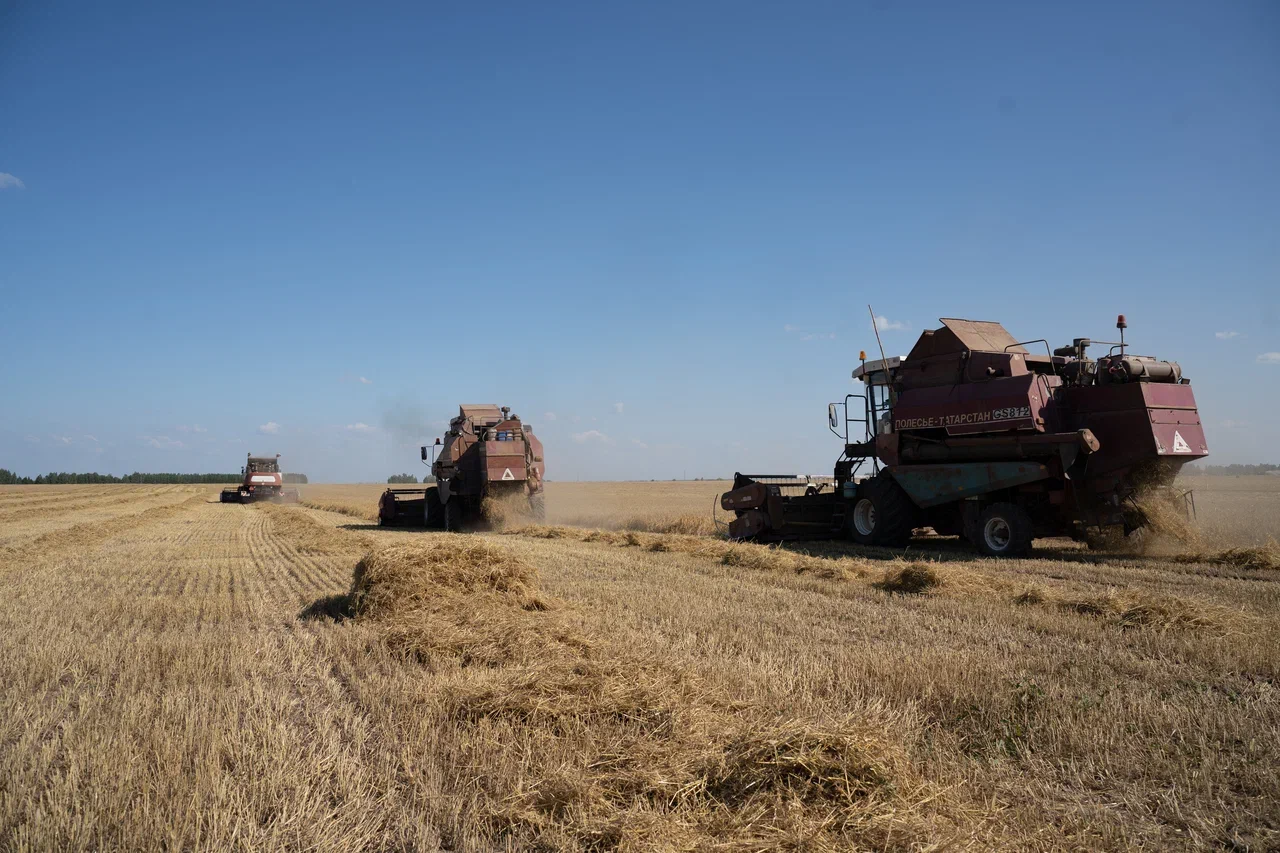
{"x": 1226, "y": 336}
{"x": 640, "y": 444}
{"x": 1269, "y": 358}
{"x": 90, "y": 438}
{"x": 361, "y": 427}
{"x": 162, "y": 442}
{"x": 548, "y": 416}
{"x": 190, "y": 428}
{"x": 591, "y": 435}
{"x": 61, "y": 439}
{"x": 809, "y": 336}
{"x": 365, "y": 381}
{"x": 884, "y": 324}
{"x": 269, "y": 428}
{"x": 11, "y": 182}
{"x": 617, "y": 407}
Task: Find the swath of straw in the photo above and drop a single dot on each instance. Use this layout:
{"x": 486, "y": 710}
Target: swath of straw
{"x": 588, "y": 745}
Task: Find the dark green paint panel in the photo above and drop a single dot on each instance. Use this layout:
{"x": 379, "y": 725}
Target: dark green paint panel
{"x": 932, "y": 485}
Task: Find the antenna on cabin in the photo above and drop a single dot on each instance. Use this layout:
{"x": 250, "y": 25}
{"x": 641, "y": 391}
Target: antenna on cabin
{"x": 884, "y": 362}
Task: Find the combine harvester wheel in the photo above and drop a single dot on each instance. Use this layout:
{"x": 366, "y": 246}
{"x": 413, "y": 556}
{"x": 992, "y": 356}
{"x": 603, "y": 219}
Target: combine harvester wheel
{"x": 882, "y": 513}
{"x": 453, "y": 516}
{"x": 1003, "y": 530}
{"x": 435, "y": 510}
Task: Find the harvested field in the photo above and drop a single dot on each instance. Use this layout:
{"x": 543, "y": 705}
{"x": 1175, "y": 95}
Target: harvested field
{"x": 658, "y": 507}
{"x": 186, "y": 674}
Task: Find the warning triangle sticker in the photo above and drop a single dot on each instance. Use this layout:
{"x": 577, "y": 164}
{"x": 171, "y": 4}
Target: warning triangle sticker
{"x": 507, "y": 475}
{"x": 1179, "y": 443}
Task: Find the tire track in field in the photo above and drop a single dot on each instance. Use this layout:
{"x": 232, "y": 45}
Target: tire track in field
{"x": 233, "y": 584}
{"x": 324, "y": 556}
{"x": 310, "y": 574}
{"x": 205, "y": 560}
{"x": 261, "y": 555}
{"x": 246, "y": 584}
{"x": 297, "y": 577}
{"x": 275, "y": 566}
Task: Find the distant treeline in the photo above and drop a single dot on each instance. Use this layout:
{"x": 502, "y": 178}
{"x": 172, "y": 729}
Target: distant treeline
{"x": 1237, "y": 470}
{"x": 403, "y": 479}
{"x": 8, "y": 478}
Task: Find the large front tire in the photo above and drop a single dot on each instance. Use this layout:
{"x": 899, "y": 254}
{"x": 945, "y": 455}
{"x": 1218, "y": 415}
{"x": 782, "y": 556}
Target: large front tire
{"x": 433, "y": 511}
{"x": 453, "y": 515}
{"x": 881, "y": 514}
{"x": 1003, "y": 530}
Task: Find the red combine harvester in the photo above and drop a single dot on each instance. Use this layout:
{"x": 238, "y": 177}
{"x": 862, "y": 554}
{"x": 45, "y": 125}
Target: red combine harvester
{"x": 262, "y": 482}
{"x": 486, "y": 453}
{"x": 973, "y": 435}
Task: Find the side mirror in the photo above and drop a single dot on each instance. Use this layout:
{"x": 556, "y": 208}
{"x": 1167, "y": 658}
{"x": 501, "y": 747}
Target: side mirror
{"x": 424, "y": 453}
{"x": 831, "y": 416}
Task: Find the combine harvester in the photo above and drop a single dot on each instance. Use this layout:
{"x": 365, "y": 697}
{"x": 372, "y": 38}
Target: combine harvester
{"x": 262, "y": 482}
{"x": 486, "y": 453}
{"x": 972, "y": 435}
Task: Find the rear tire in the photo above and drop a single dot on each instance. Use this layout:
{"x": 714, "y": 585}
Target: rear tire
{"x": 453, "y": 515}
{"x": 1003, "y": 530}
{"x": 881, "y": 514}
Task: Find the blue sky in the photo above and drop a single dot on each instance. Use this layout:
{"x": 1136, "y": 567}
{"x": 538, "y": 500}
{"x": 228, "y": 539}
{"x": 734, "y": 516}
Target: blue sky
{"x": 652, "y": 230}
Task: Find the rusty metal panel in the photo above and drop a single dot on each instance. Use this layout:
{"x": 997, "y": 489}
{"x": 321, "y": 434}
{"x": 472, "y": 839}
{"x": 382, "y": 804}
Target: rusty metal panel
{"x": 748, "y": 525}
{"x": 481, "y": 413}
{"x": 748, "y": 497}
{"x": 933, "y": 485}
{"x": 1174, "y": 416}
{"x": 497, "y": 471}
{"x": 1179, "y": 438}
{"x": 1160, "y": 395}
{"x": 493, "y": 449}
{"x": 985, "y": 335}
